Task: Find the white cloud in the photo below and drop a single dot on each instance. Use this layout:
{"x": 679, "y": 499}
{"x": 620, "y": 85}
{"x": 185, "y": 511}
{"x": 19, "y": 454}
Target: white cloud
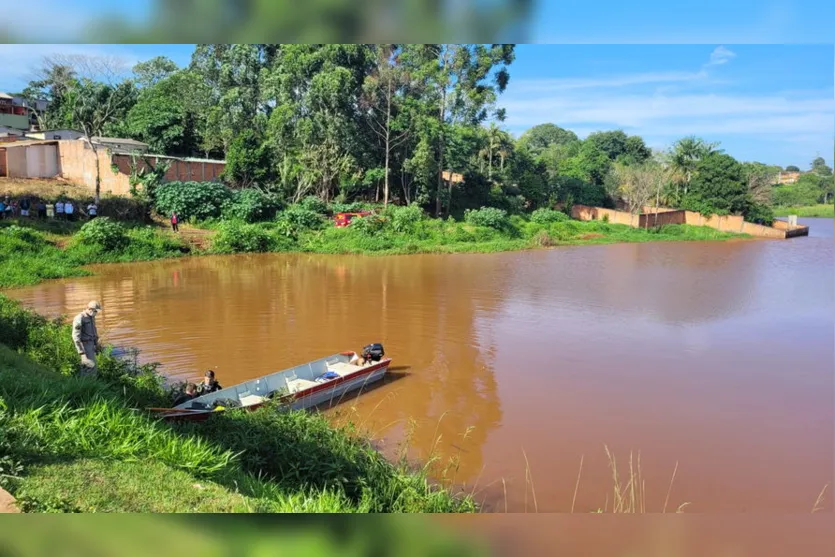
{"x": 564, "y": 84}
{"x": 720, "y": 55}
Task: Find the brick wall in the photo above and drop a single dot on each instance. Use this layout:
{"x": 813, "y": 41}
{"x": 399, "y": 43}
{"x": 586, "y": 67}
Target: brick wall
{"x": 78, "y": 164}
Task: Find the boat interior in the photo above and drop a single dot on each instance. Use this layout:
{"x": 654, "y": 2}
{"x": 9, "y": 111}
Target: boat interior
{"x": 288, "y": 381}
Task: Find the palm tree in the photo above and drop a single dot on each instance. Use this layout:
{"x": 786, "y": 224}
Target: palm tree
{"x": 686, "y": 154}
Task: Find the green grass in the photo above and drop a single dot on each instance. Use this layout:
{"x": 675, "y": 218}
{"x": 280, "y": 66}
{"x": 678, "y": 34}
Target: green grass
{"x": 59, "y": 427}
{"x": 821, "y": 211}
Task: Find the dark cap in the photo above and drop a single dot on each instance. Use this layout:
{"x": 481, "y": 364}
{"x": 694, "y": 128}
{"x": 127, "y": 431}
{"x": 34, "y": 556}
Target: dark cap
{"x": 211, "y": 374}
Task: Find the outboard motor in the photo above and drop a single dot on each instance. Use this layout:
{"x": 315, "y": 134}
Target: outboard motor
{"x": 373, "y": 352}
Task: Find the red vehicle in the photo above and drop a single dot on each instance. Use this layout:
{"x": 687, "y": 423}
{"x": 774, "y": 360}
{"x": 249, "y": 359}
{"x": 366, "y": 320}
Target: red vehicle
{"x": 344, "y": 219}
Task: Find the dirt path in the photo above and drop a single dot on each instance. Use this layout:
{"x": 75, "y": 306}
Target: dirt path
{"x": 8, "y": 504}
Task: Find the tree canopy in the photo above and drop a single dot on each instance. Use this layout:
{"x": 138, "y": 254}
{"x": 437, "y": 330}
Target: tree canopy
{"x": 392, "y": 123}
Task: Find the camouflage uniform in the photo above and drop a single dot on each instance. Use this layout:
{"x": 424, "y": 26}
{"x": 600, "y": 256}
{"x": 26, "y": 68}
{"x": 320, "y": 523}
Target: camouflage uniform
{"x": 85, "y": 337}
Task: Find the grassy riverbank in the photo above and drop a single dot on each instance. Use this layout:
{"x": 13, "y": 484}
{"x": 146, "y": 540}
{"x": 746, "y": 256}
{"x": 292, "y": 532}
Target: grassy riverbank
{"x": 31, "y": 250}
{"x": 810, "y": 211}
{"x": 83, "y": 444}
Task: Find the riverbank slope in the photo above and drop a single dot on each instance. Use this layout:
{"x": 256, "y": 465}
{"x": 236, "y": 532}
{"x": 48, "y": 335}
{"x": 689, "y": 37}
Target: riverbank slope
{"x": 72, "y": 444}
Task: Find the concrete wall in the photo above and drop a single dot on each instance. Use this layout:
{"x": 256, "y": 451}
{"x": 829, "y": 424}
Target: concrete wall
{"x": 728, "y": 223}
{"x": 78, "y": 164}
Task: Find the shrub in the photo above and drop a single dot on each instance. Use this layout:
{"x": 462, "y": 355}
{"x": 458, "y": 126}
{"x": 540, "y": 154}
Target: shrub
{"x": 547, "y": 216}
{"x": 487, "y": 216}
{"x": 236, "y": 237}
{"x": 314, "y": 204}
{"x": 252, "y": 205}
{"x": 104, "y": 234}
{"x": 370, "y": 225}
{"x": 197, "y": 200}
{"x": 298, "y": 218}
{"x": 20, "y": 239}
{"x": 405, "y": 219}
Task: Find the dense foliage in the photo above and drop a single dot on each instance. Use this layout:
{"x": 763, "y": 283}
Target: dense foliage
{"x": 389, "y": 123}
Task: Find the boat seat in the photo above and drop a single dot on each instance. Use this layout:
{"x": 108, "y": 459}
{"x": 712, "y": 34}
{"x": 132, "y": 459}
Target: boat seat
{"x": 297, "y": 385}
{"x": 249, "y": 400}
{"x": 343, "y": 368}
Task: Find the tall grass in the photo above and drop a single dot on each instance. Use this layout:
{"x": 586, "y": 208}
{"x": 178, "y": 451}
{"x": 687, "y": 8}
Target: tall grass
{"x": 812, "y": 211}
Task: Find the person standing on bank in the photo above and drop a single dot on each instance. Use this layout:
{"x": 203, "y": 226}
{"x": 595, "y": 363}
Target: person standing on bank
{"x": 85, "y": 337}
{"x": 174, "y": 226}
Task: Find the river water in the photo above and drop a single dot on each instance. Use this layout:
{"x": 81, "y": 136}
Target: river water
{"x": 714, "y": 360}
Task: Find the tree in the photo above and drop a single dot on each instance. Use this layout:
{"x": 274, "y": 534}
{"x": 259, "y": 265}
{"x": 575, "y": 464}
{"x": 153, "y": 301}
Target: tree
{"x": 819, "y": 167}
{"x": 384, "y": 91}
{"x": 638, "y": 184}
{"x": 460, "y": 79}
{"x": 792, "y": 168}
{"x": 151, "y": 72}
{"x": 718, "y": 186}
{"x": 538, "y": 138}
{"x": 686, "y": 155}
{"x": 167, "y": 114}
{"x": 95, "y": 99}
{"x": 590, "y": 164}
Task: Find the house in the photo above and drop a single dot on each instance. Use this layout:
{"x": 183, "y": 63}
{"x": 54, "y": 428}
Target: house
{"x": 453, "y": 177}
{"x": 120, "y": 145}
{"x": 788, "y": 177}
{"x": 29, "y": 159}
{"x": 55, "y": 134}
{"x": 13, "y": 115}
{"x": 6, "y": 131}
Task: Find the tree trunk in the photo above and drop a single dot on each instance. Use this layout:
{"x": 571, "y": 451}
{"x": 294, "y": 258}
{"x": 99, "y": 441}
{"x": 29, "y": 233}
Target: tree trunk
{"x": 388, "y": 145}
{"x": 441, "y": 156}
{"x": 98, "y": 174}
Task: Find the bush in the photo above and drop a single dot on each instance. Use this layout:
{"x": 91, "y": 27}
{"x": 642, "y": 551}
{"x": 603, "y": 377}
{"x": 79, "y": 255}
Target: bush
{"x": 299, "y": 218}
{"x": 20, "y": 239}
{"x": 252, "y": 205}
{"x": 547, "y": 216}
{"x": 314, "y": 204}
{"x": 487, "y": 216}
{"x": 370, "y": 225}
{"x": 104, "y": 234}
{"x": 236, "y": 237}
{"x": 405, "y": 219}
{"x": 198, "y": 200}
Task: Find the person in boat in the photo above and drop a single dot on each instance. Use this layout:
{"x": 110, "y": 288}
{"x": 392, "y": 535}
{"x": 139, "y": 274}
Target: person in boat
{"x": 188, "y": 393}
{"x": 209, "y": 384}
{"x": 85, "y": 337}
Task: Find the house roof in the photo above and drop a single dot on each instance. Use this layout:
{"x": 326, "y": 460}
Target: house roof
{"x": 121, "y": 140}
{"x": 5, "y": 95}
{"x": 27, "y": 142}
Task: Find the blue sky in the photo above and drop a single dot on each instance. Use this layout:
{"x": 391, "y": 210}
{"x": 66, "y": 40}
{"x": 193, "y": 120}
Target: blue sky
{"x": 771, "y": 103}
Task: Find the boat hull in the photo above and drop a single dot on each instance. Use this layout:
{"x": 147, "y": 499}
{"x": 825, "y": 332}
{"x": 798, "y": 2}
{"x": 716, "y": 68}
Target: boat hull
{"x": 301, "y": 400}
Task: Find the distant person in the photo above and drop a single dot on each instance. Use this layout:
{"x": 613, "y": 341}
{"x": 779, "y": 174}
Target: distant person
{"x": 41, "y": 208}
{"x": 59, "y": 209}
{"x": 50, "y": 210}
{"x": 85, "y": 337}
{"x": 25, "y": 206}
{"x": 209, "y": 384}
{"x": 174, "y": 222}
{"x": 69, "y": 210}
{"x": 189, "y": 393}
{"x": 2, "y": 209}
{"x": 92, "y": 210}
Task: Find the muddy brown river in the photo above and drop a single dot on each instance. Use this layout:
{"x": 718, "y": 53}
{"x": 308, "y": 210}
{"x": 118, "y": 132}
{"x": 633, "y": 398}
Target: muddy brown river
{"x": 713, "y": 360}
